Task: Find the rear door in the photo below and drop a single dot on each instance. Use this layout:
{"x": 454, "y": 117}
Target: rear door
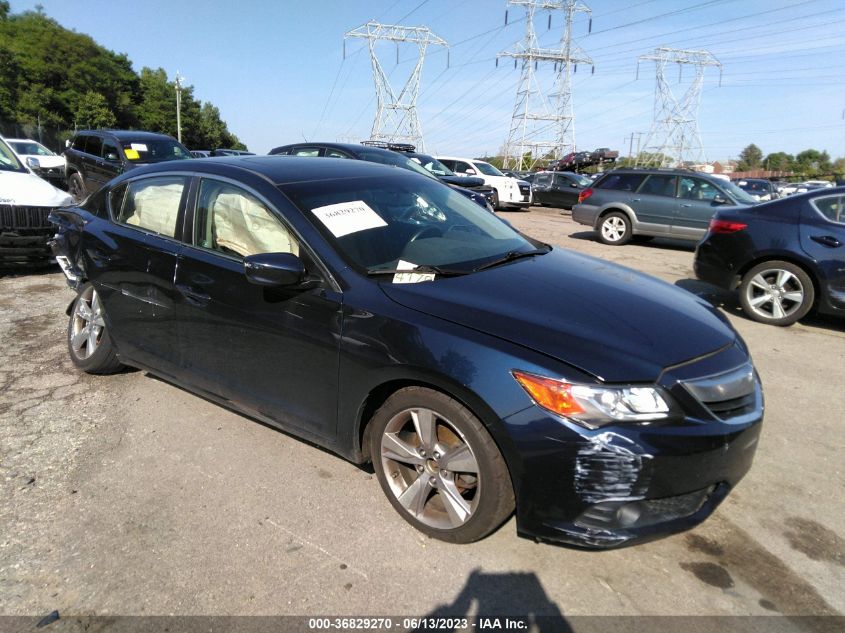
{"x": 541, "y": 186}
{"x": 90, "y": 159}
{"x": 655, "y": 203}
{"x": 565, "y": 191}
{"x": 272, "y": 351}
{"x": 822, "y": 231}
{"x": 133, "y": 263}
{"x": 698, "y": 201}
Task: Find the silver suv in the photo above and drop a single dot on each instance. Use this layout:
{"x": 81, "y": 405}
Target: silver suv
{"x": 674, "y": 203}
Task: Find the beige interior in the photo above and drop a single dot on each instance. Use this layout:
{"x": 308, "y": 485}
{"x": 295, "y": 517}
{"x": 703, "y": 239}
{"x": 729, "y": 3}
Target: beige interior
{"x": 246, "y": 227}
{"x": 156, "y": 208}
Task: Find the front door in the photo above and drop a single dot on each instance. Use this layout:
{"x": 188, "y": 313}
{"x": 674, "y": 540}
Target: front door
{"x": 655, "y": 203}
{"x": 271, "y": 351}
{"x": 698, "y": 201}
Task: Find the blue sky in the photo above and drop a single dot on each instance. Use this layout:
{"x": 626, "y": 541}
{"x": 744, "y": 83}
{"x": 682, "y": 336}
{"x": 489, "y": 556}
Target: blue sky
{"x": 276, "y": 70}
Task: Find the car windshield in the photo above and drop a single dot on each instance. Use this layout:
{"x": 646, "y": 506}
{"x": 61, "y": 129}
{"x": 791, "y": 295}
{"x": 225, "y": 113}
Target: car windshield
{"x": 737, "y": 193}
{"x": 486, "y": 168}
{"x": 30, "y": 148}
{"x": 8, "y": 160}
{"x": 154, "y": 150}
{"x": 387, "y": 157}
{"x": 402, "y": 221}
{"x": 432, "y": 164}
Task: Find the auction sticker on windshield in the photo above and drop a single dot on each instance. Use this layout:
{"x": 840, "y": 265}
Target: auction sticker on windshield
{"x": 348, "y": 217}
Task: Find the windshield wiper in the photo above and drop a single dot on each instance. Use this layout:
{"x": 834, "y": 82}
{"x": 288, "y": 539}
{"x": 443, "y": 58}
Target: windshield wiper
{"x": 511, "y": 256}
{"x": 437, "y": 270}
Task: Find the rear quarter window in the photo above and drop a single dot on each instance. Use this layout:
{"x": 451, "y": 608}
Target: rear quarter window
{"x": 621, "y": 182}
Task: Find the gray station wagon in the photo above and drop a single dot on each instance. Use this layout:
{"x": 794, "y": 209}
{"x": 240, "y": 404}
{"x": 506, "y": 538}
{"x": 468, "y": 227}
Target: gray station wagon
{"x": 675, "y": 203}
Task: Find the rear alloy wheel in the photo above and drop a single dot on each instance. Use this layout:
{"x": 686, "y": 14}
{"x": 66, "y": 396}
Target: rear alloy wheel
{"x": 777, "y": 293}
{"x": 615, "y": 229}
{"x": 495, "y": 201}
{"x": 76, "y": 188}
{"x": 439, "y": 467}
{"x": 89, "y": 344}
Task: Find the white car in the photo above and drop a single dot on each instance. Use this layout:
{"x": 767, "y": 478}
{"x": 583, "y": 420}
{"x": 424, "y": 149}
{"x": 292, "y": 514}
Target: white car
{"x": 510, "y": 192}
{"x": 39, "y": 159}
{"x": 25, "y": 202}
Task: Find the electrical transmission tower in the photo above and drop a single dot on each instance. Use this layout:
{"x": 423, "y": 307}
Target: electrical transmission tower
{"x": 674, "y": 137}
{"x": 544, "y": 124}
{"x": 396, "y": 116}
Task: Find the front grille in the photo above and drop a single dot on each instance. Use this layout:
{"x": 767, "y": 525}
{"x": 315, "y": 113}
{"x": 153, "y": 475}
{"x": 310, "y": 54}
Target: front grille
{"x": 524, "y": 189}
{"x": 730, "y": 395}
{"x": 20, "y": 217}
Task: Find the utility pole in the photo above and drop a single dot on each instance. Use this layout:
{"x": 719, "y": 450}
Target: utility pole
{"x": 534, "y": 108}
{"x": 674, "y": 136}
{"x": 630, "y": 138}
{"x": 396, "y": 116}
{"x": 178, "y": 84}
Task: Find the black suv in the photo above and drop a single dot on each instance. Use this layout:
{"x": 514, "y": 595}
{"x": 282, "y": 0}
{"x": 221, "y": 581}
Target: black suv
{"x": 96, "y": 156}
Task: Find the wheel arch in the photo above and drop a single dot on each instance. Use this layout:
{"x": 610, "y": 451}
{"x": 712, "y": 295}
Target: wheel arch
{"x": 620, "y": 208}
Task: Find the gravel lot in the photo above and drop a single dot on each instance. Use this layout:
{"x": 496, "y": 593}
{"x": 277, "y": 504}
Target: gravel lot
{"x": 126, "y": 495}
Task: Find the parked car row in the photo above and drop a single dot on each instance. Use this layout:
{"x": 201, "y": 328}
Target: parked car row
{"x": 785, "y": 257}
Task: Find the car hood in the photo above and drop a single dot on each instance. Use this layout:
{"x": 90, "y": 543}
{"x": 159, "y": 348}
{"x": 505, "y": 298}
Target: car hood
{"x": 463, "y": 181}
{"x": 609, "y": 321}
{"x": 45, "y": 161}
{"x": 29, "y": 190}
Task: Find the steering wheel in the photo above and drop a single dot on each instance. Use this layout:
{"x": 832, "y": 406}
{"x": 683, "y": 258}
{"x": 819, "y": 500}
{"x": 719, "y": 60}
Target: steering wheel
{"x": 425, "y": 231}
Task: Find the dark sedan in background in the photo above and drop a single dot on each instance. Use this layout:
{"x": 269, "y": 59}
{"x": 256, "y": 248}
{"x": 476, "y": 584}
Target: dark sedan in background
{"x": 786, "y": 257}
{"x": 382, "y": 315}
{"x": 558, "y": 188}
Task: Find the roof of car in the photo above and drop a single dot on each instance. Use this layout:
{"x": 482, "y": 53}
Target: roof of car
{"x": 349, "y": 147}
{"x": 281, "y": 169}
{"x": 22, "y": 140}
{"x": 126, "y": 134}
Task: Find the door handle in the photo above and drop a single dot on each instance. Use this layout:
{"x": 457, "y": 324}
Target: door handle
{"x": 193, "y": 295}
{"x": 636, "y": 200}
{"x": 686, "y": 205}
{"x": 826, "y": 240}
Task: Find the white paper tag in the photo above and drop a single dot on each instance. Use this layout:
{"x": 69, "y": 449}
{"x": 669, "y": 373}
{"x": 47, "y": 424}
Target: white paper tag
{"x": 348, "y": 217}
{"x": 138, "y": 147}
{"x": 410, "y": 277}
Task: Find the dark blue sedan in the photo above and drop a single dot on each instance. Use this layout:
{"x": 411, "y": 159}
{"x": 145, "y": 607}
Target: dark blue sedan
{"x": 383, "y": 315}
{"x": 785, "y": 257}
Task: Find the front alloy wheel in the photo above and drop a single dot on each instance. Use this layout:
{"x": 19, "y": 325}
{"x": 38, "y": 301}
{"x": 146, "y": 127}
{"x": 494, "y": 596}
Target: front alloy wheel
{"x": 439, "y": 467}
{"x": 776, "y": 292}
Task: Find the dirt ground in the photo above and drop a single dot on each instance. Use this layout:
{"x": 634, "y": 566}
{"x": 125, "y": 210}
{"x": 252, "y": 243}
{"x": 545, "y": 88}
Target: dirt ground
{"x": 126, "y": 495}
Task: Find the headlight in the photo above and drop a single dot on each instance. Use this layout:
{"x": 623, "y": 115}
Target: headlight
{"x": 33, "y": 163}
{"x": 593, "y": 406}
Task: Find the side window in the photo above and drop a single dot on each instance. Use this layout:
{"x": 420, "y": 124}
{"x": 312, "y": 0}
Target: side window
{"x": 334, "y": 153}
{"x": 541, "y": 180}
{"x": 110, "y": 152}
{"x": 79, "y": 142}
{"x": 451, "y": 164}
{"x": 622, "y": 182}
{"x": 831, "y": 207}
{"x": 306, "y": 151}
{"x": 151, "y": 203}
{"x": 232, "y": 221}
{"x": 697, "y": 189}
{"x": 659, "y": 185}
{"x": 461, "y": 167}
{"x": 116, "y": 199}
{"x": 94, "y": 145}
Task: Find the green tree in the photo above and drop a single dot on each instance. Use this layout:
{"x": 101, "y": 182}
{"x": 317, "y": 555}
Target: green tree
{"x": 92, "y": 111}
{"x": 838, "y": 167}
{"x": 750, "y": 158}
{"x": 779, "y": 161}
{"x": 812, "y": 162}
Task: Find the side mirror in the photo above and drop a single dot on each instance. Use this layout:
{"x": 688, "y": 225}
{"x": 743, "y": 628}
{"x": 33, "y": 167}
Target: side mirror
{"x": 67, "y": 143}
{"x": 720, "y": 199}
{"x": 33, "y": 163}
{"x": 111, "y": 157}
{"x": 575, "y": 185}
{"x": 471, "y": 172}
{"x": 274, "y": 269}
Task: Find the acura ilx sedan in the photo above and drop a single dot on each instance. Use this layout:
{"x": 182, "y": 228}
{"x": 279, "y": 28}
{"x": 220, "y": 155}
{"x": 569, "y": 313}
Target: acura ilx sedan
{"x": 382, "y": 315}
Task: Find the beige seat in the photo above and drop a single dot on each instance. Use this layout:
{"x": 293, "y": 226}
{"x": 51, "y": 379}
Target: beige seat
{"x": 156, "y": 208}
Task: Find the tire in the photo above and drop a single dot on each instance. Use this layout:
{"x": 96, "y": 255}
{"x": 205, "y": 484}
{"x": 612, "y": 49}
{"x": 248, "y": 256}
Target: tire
{"x": 419, "y": 440}
{"x": 76, "y": 187}
{"x": 495, "y": 203}
{"x": 88, "y": 340}
{"x": 777, "y": 293}
{"x": 614, "y": 229}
